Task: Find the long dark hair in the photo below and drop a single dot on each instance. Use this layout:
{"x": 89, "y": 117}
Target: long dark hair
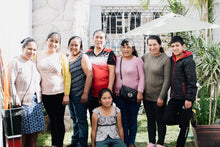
{"x": 157, "y": 38}
{"x": 129, "y": 40}
{"x": 102, "y": 91}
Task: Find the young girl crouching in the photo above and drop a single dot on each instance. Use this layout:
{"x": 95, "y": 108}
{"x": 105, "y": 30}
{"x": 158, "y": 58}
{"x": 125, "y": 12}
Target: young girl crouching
{"x": 106, "y": 122}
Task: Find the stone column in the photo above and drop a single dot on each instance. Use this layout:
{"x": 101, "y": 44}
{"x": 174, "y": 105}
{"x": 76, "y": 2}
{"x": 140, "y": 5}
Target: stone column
{"x": 68, "y": 17}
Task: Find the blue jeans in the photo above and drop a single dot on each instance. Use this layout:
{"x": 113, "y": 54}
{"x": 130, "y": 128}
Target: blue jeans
{"x": 110, "y": 142}
{"x": 78, "y": 114}
{"x": 129, "y": 112}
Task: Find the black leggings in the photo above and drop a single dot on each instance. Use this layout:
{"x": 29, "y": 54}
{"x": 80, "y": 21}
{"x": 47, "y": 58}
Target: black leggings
{"x": 55, "y": 110}
{"x": 154, "y": 117}
{"x": 94, "y": 103}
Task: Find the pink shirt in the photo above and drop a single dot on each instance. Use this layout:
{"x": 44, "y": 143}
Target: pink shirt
{"x": 50, "y": 69}
{"x": 24, "y": 81}
{"x": 132, "y": 74}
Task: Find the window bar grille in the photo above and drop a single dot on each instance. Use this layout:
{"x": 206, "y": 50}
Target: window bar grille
{"x": 116, "y": 24}
{"x": 123, "y": 23}
{"x": 135, "y": 20}
{"x": 110, "y": 26}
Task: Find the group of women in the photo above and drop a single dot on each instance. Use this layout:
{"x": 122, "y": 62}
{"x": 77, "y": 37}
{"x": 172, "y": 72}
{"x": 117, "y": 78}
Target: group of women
{"x": 60, "y": 80}
{"x": 150, "y": 76}
{"x": 45, "y": 78}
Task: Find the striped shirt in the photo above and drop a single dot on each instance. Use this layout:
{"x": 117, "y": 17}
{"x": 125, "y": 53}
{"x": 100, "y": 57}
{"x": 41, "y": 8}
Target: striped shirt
{"x": 78, "y": 77}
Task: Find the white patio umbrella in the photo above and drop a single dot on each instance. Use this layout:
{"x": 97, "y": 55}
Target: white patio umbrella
{"x": 171, "y": 23}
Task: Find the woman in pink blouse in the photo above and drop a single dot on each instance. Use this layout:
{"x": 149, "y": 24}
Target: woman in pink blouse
{"x": 26, "y": 92}
{"x": 132, "y": 76}
{"x": 54, "y": 69}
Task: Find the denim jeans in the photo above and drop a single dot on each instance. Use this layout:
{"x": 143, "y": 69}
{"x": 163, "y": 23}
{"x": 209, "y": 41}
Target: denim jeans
{"x": 110, "y": 142}
{"x": 78, "y": 114}
{"x": 129, "y": 113}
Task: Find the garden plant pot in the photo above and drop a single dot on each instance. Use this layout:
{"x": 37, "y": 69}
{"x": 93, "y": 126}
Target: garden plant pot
{"x": 12, "y": 121}
{"x": 207, "y": 135}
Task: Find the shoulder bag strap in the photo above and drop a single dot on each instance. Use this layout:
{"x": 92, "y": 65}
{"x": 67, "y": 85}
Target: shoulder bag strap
{"x": 120, "y": 68}
{"x": 28, "y": 85}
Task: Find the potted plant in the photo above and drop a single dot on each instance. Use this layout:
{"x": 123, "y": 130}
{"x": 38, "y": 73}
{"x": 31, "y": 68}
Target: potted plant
{"x": 208, "y": 69}
{"x": 12, "y": 115}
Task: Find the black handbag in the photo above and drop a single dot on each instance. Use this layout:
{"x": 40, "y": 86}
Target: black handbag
{"x": 127, "y": 93}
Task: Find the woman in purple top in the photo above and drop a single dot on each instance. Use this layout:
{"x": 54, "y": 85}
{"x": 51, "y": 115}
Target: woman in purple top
{"x": 133, "y": 76}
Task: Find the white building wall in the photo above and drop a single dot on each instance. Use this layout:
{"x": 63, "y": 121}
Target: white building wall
{"x": 217, "y": 21}
{"x": 15, "y": 18}
{"x": 120, "y": 2}
{"x": 95, "y": 11}
{"x": 95, "y": 20}
{"x": 113, "y": 40}
{"x": 68, "y": 17}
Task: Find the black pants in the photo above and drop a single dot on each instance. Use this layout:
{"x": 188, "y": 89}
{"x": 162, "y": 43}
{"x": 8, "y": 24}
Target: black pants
{"x": 176, "y": 113}
{"x": 92, "y": 105}
{"x": 155, "y": 116}
{"x": 55, "y": 110}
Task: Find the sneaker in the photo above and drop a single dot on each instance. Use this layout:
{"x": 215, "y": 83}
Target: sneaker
{"x": 160, "y": 145}
{"x": 150, "y": 144}
{"x": 193, "y": 118}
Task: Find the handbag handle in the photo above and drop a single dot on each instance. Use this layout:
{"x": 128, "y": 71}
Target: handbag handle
{"x": 120, "y": 69}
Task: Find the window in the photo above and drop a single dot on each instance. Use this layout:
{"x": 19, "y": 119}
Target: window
{"x": 157, "y": 14}
{"x": 135, "y": 20}
{"x": 116, "y": 22}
